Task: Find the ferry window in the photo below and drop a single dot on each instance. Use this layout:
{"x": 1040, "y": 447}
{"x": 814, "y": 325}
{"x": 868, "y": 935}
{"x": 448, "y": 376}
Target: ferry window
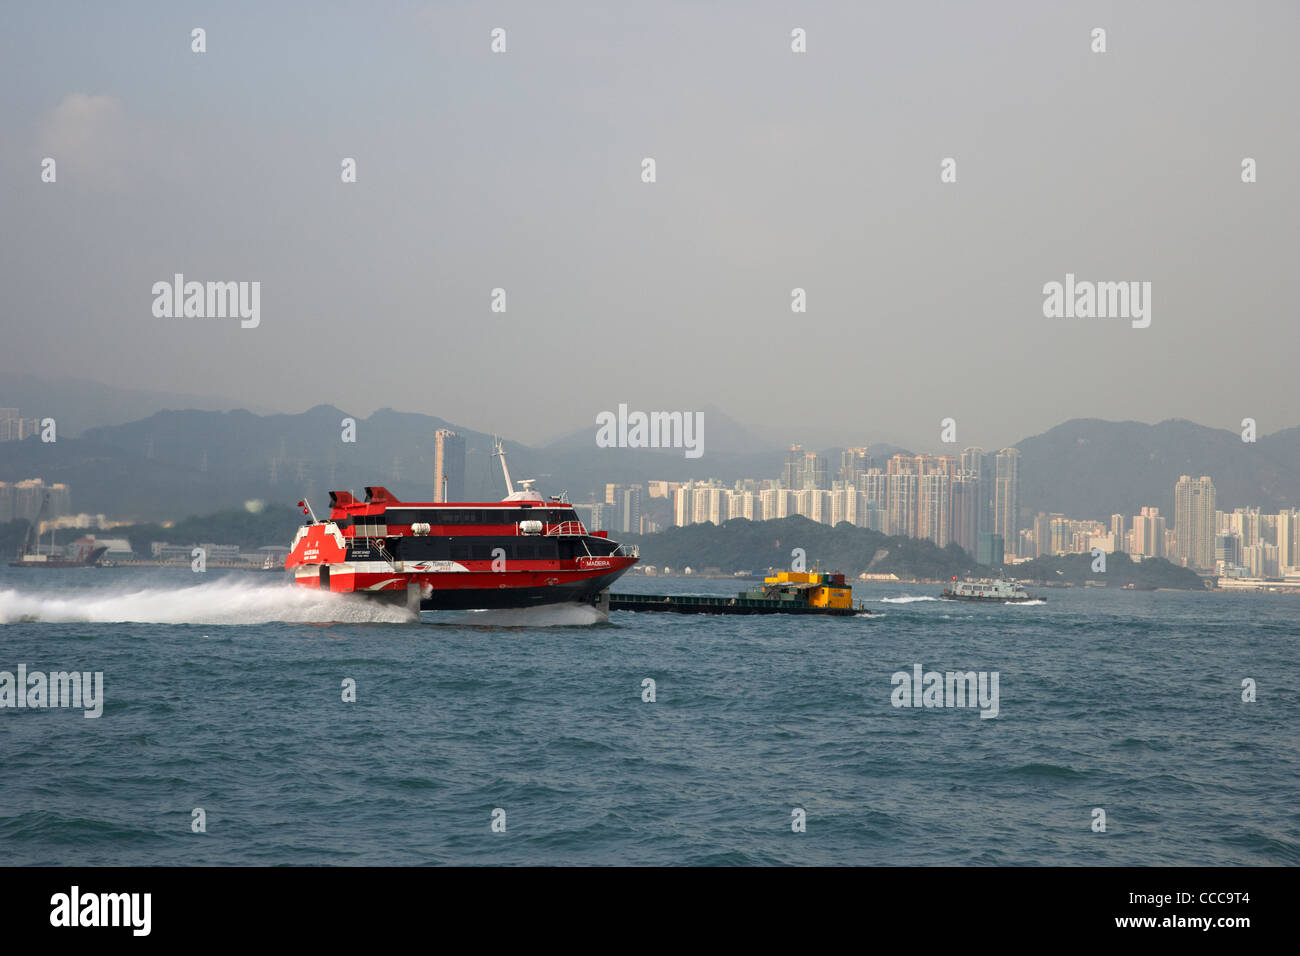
{"x": 459, "y": 552}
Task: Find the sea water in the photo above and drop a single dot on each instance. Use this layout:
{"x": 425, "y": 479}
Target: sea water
{"x": 529, "y": 737}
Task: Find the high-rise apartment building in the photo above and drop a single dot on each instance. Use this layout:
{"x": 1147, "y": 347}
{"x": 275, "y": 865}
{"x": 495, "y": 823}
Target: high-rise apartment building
{"x": 1149, "y": 534}
{"x": 991, "y": 549}
{"x": 967, "y": 493}
{"x": 1042, "y": 534}
{"x": 683, "y": 506}
{"x": 901, "y": 513}
{"x": 1194, "y": 522}
{"x": 975, "y": 462}
{"x": 793, "y": 477}
{"x": 15, "y": 428}
{"x": 1288, "y": 530}
{"x": 853, "y": 462}
{"x": 816, "y": 475}
{"x": 934, "y": 508}
{"x": 627, "y": 509}
{"x": 1006, "y": 503}
{"x": 874, "y": 486}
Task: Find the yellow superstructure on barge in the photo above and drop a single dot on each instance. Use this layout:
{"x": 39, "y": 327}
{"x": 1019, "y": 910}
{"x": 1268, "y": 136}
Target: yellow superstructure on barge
{"x": 820, "y": 589}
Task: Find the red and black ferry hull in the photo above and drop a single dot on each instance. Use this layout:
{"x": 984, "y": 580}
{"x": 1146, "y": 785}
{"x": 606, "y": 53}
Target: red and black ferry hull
{"x": 469, "y": 590}
{"x": 469, "y": 598}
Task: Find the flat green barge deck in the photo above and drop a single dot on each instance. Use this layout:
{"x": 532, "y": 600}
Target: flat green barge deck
{"x": 703, "y": 604}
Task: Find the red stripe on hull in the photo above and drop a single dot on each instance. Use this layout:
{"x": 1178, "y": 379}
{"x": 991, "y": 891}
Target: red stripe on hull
{"x": 343, "y": 580}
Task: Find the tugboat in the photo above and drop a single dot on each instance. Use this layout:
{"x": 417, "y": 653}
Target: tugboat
{"x": 995, "y": 591}
{"x": 522, "y": 551}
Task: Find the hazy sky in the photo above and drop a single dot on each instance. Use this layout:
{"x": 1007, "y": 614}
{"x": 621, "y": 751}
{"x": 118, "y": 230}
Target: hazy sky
{"x": 775, "y": 170}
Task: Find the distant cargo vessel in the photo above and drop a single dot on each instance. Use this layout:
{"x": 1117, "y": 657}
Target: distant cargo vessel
{"x": 29, "y": 555}
{"x": 86, "y": 559}
{"x": 996, "y": 591}
{"x": 523, "y": 551}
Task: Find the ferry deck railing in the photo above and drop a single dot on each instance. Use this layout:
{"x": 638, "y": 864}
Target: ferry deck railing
{"x": 566, "y": 528}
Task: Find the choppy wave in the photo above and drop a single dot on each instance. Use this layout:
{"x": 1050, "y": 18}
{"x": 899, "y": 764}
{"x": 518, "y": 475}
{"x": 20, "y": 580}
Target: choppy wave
{"x": 1034, "y": 603}
{"x": 907, "y": 599}
{"x": 220, "y": 602}
{"x": 1049, "y": 771}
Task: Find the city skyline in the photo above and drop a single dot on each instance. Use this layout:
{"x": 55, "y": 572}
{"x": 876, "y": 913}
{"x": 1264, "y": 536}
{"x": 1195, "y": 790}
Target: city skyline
{"x": 1241, "y": 543}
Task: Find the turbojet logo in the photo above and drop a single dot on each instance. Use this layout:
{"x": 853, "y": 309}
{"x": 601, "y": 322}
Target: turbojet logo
{"x": 208, "y": 300}
{"x": 1098, "y": 300}
{"x": 58, "y": 689}
{"x": 102, "y": 909}
{"x": 653, "y": 430}
{"x": 952, "y": 689}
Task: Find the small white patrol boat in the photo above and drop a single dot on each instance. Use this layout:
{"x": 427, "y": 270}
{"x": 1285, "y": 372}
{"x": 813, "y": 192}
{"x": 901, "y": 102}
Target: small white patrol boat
{"x": 998, "y": 591}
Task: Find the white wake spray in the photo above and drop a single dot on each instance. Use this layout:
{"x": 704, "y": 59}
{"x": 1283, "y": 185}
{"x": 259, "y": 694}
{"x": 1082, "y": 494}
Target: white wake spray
{"x": 906, "y": 599}
{"x": 547, "y": 615}
{"x": 227, "y": 601}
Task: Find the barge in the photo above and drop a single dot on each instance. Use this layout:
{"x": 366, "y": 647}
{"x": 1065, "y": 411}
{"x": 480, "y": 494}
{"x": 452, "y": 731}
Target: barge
{"x": 787, "y": 592}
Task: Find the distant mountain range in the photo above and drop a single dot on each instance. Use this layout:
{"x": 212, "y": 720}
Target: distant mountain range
{"x": 78, "y": 404}
{"x": 1088, "y": 468}
{"x": 178, "y": 463}
{"x": 172, "y": 464}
